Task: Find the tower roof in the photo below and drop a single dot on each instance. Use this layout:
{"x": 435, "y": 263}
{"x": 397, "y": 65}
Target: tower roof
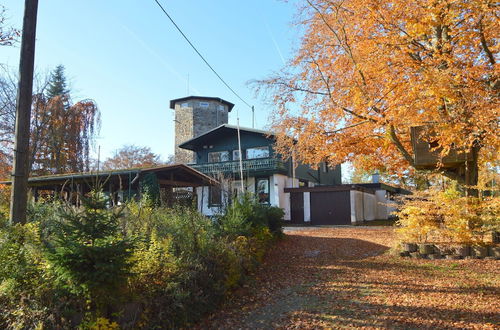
{"x": 208, "y": 98}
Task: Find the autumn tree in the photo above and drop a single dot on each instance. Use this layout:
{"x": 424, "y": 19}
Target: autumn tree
{"x": 62, "y": 132}
{"x": 130, "y": 156}
{"x": 369, "y": 70}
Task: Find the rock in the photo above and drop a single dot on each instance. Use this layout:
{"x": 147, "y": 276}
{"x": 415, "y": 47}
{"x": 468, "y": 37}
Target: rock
{"x": 463, "y": 250}
{"x": 491, "y": 258}
{"x": 435, "y": 256}
{"x": 410, "y": 247}
{"x": 479, "y": 251}
{"x": 404, "y": 254}
{"x": 494, "y": 251}
{"x": 453, "y": 257}
{"x": 416, "y": 255}
{"x": 426, "y": 248}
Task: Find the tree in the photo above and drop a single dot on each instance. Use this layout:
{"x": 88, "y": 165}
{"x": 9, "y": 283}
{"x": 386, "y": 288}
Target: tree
{"x": 130, "y": 156}
{"x": 8, "y": 35}
{"x": 57, "y": 85}
{"x": 62, "y": 132}
{"x": 88, "y": 253}
{"x": 368, "y": 70}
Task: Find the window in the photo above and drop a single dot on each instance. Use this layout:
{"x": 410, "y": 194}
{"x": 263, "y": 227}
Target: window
{"x": 236, "y": 155}
{"x": 214, "y": 196}
{"x": 218, "y": 156}
{"x": 204, "y": 104}
{"x": 185, "y": 105}
{"x": 257, "y": 152}
{"x": 303, "y": 183}
{"x": 262, "y": 190}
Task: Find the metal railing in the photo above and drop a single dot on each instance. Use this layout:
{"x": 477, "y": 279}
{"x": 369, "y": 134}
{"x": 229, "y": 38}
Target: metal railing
{"x": 249, "y": 165}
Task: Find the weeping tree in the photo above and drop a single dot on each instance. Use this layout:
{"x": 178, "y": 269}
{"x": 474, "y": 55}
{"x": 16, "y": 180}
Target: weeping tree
{"x": 62, "y": 131}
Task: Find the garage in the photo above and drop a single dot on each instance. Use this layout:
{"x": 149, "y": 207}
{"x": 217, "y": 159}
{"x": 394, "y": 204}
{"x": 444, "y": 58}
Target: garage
{"x": 331, "y": 205}
{"x": 330, "y": 208}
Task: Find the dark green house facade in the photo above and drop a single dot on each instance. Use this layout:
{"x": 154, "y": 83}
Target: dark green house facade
{"x": 265, "y": 173}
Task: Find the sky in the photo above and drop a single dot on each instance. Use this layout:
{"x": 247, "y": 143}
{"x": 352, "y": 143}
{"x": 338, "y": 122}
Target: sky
{"x": 129, "y": 58}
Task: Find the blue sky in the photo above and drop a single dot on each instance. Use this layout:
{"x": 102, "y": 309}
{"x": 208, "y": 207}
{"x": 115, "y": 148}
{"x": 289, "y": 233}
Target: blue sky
{"x": 129, "y": 58}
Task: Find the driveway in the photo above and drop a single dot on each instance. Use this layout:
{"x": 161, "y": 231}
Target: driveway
{"x": 344, "y": 277}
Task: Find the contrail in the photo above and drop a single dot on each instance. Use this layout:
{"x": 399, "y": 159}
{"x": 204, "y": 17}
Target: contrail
{"x": 159, "y": 58}
{"x": 275, "y": 43}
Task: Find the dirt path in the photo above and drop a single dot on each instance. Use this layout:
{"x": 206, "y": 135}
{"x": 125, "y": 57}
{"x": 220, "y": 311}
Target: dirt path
{"x": 342, "y": 277}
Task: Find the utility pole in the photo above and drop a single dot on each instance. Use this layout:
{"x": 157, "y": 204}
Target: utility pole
{"x": 19, "y": 196}
{"x": 253, "y": 117}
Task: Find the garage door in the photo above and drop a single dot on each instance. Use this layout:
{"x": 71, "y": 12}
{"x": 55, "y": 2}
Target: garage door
{"x": 330, "y": 208}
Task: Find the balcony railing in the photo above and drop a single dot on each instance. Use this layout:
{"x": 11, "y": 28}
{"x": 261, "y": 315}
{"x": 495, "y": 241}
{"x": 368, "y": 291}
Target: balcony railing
{"x": 249, "y": 166}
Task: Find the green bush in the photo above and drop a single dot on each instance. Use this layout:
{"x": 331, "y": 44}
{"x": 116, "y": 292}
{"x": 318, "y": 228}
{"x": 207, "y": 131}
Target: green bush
{"x": 26, "y": 292}
{"x": 180, "y": 266}
{"x": 246, "y": 213}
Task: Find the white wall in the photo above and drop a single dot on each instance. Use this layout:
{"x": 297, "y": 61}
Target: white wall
{"x": 357, "y": 211}
{"x": 289, "y": 183}
{"x": 250, "y": 185}
{"x": 203, "y": 207}
{"x": 369, "y": 207}
{"x": 283, "y": 198}
{"x": 307, "y": 207}
{"x": 274, "y": 197}
{"x": 292, "y": 183}
{"x": 382, "y": 207}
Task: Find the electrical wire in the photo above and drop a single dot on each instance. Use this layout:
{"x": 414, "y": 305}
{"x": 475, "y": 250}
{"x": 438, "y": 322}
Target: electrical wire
{"x": 199, "y": 54}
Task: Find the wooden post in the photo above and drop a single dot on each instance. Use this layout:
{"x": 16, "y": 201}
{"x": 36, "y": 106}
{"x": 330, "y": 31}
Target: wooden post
{"x": 19, "y": 196}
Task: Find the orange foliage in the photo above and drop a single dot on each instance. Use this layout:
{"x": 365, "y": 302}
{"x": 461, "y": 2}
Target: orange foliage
{"x": 61, "y": 134}
{"x": 378, "y": 67}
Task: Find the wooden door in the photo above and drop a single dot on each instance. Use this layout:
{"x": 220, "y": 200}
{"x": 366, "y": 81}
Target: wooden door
{"x": 297, "y": 207}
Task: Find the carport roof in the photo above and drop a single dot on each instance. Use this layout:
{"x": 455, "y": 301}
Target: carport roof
{"x": 179, "y": 175}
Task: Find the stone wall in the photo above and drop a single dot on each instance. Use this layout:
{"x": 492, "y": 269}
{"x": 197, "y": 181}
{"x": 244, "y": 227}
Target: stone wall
{"x": 193, "y": 118}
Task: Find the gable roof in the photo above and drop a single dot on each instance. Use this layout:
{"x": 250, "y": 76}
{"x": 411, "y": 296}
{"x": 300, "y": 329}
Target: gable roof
{"x": 208, "y": 98}
{"x": 190, "y": 144}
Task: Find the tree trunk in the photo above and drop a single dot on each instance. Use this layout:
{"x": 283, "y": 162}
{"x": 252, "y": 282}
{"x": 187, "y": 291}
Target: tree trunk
{"x": 472, "y": 172}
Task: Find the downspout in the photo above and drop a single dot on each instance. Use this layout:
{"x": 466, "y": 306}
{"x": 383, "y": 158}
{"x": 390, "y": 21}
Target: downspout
{"x": 241, "y": 156}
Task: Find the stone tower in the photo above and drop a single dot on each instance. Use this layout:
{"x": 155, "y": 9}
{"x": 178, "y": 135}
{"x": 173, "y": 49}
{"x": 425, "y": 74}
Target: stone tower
{"x": 195, "y": 115}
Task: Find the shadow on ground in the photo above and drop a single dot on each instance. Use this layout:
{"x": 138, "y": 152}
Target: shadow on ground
{"x": 324, "y": 278}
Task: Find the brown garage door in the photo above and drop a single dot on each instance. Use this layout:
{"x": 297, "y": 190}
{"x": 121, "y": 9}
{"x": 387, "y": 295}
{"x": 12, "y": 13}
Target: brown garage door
{"x": 330, "y": 208}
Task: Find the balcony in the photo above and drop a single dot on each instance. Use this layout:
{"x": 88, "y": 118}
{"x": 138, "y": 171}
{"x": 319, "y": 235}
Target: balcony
{"x": 250, "y": 166}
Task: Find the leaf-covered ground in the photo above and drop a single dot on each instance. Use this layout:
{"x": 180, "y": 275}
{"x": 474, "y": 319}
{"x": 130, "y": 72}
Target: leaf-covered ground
{"x": 343, "y": 278}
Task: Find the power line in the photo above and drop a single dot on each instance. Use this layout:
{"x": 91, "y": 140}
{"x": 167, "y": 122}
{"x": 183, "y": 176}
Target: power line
{"x": 199, "y": 54}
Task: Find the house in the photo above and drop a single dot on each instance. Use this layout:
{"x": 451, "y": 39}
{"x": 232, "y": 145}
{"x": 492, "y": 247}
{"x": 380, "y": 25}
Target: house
{"x": 265, "y": 173}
